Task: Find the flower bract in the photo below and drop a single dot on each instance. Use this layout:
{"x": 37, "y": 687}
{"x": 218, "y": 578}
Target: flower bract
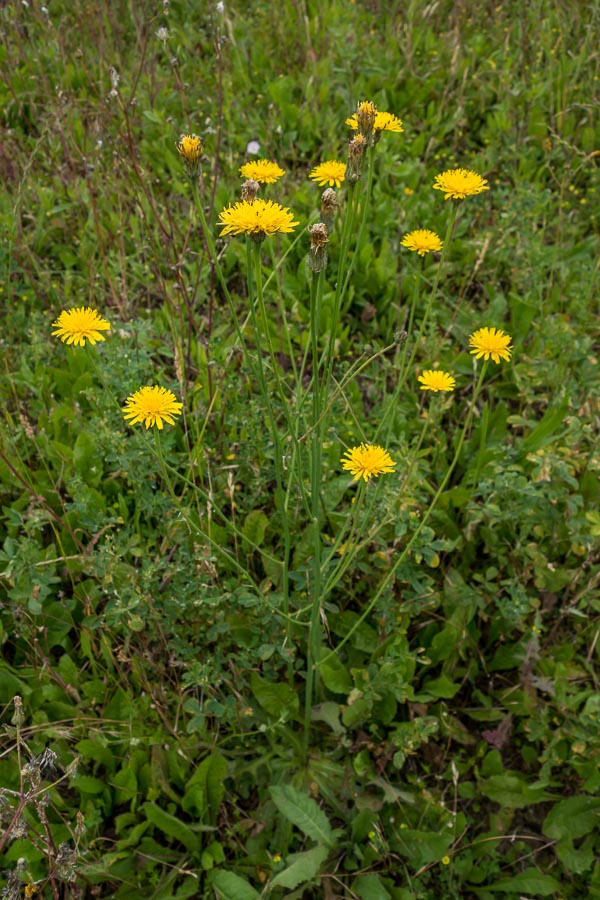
{"x": 435, "y": 380}
{"x": 329, "y": 174}
{"x": 75, "y": 326}
{"x": 367, "y": 461}
{"x": 422, "y": 241}
{"x": 490, "y": 342}
{"x": 460, "y": 183}
{"x": 256, "y": 218}
{"x": 384, "y": 121}
{"x": 151, "y": 405}
{"x": 262, "y": 170}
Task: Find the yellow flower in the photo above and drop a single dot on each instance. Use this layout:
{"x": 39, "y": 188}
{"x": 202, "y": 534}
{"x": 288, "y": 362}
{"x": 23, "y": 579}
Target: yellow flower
{"x": 492, "y": 342}
{"x": 77, "y": 324}
{"x": 330, "y": 173}
{"x": 422, "y": 240}
{"x": 460, "y": 183}
{"x": 446, "y": 860}
{"x": 257, "y": 218}
{"x": 190, "y": 147}
{"x": 367, "y": 461}
{"x": 435, "y": 380}
{"x": 384, "y": 121}
{"x": 151, "y": 405}
{"x": 262, "y": 170}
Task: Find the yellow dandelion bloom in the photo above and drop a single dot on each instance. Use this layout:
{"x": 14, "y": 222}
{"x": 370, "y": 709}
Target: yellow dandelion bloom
{"x": 190, "y": 147}
{"x": 460, "y": 183}
{"x": 422, "y": 241}
{"x": 435, "y": 380}
{"x": 151, "y": 405}
{"x": 367, "y": 461}
{"x": 384, "y": 121}
{"x": 75, "y": 326}
{"x": 490, "y": 342}
{"x": 257, "y": 218}
{"x": 330, "y": 173}
{"x": 262, "y": 170}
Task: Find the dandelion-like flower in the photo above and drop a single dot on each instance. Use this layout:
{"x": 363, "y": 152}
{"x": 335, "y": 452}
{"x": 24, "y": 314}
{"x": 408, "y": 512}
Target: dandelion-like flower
{"x": 191, "y": 148}
{"x": 490, "y": 342}
{"x": 257, "y": 218}
{"x": 367, "y": 461}
{"x": 262, "y": 170}
{"x": 75, "y": 326}
{"x": 384, "y": 121}
{"x": 330, "y": 173}
{"x": 435, "y": 380}
{"x": 460, "y": 183}
{"x": 422, "y": 241}
{"x": 151, "y": 405}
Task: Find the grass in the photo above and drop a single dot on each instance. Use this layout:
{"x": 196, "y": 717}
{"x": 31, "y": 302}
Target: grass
{"x": 227, "y": 669}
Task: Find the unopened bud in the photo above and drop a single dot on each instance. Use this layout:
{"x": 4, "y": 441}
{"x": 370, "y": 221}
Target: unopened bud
{"x": 250, "y": 189}
{"x": 356, "y": 152}
{"x": 329, "y": 205}
{"x": 317, "y": 255}
{"x": 365, "y": 116}
{"x": 191, "y": 148}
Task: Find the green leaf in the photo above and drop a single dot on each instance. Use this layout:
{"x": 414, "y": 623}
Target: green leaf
{"x": 276, "y": 699}
{"x": 542, "y": 434}
{"x": 304, "y": 812}
{"x": 254, "y": 528}
{"x": 370, "y": 887}
{"x": 512, "y": 791}
{"x": 572, "y": 818}
{"x": 172, "y": 826}
{"x": 205, "y": 789}
{"x": 531, "y": 881}
{"x": 335, "y": 676}
{"x": 232, "y": 887}
{"x": 441, "y": 687}
{"x": 304, "y": 867}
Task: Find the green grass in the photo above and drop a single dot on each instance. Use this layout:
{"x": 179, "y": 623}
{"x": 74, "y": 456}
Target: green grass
{"x": 415, "y": 716}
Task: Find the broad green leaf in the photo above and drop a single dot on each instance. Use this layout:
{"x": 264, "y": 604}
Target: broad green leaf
{"x": 335, "y": 676}
{"x": 512, "y": 791}
{"x": 531, "y": 881}
{"x": 254, "y": 527}
{"x": 205, "y": 789}
{"x": 304, "y": 867}
{"x": 572, "y": 818}
{"x": 304, "y": 812}
{"x": 370, "y": 887}
{"x": 441, "y": 687}
{"x": 543, "y": 433}
{"x": 276, "y": 699}
{"x": 171, "y": 826}
{"x": 233, "y": 887}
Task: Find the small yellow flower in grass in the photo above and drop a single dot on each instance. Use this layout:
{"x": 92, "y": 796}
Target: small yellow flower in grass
{"x": 492, "y": 342}
{"x": 262, "y": 170}
{"x": 446, "y": 860}
{"x": 257, "y": 218}
{"x": 151, "y": 405}
{"x": 422, "y": 240}
{"x": 384, "y": 121}
{"x": 367, "y": 461}
{"x": 191, "y": 148}
{"x": 460, "y": 183}
{"x": 75, "y": 326}
{"x": 330, "y": 173}
{"x": 435, "y": 380}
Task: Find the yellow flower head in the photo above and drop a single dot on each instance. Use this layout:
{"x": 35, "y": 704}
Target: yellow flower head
{"x": 190, "y": 147}
{"x": 422, "y": 241}
{"x": 262, "y": 170}
{"x": 435, "y": 380}
{"x": 460, "y": 183}
{"x": 384, "y": 121}
{"x": 74, "y": 326}
{"x": 367, "y": 461}
{"x": 492, "y": 342}
{"x": 257, "y": 218}
{"x": 151, "y": 405}
{"x": 330, "y": 173}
